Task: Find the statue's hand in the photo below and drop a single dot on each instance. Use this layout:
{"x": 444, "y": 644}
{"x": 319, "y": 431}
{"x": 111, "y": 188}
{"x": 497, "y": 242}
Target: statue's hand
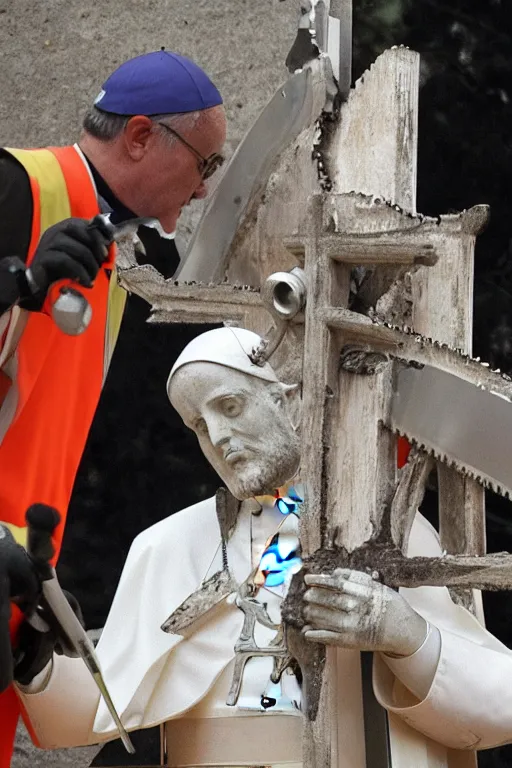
{"x": 349, "y": 609}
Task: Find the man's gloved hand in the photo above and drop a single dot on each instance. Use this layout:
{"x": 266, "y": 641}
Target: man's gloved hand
{"x": 20, "y": 583}
{"x": 351, "y": 610}
{"x": 39, "y": 638}
{"x": 40, "y": 634}
{"x": 73, "y": 249}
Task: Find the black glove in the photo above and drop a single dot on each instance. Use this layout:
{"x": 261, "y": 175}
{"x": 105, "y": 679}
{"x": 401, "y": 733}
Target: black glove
{"x": 18, "y": 582}
{"x": 39, "y": 638}
{"x": 73, "y": 249}
{"x": 41, "y": 635}
{"x": 13, "y": 282}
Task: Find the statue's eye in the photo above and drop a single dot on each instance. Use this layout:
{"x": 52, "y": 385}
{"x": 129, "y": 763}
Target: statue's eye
{"x": 231, "y": 407}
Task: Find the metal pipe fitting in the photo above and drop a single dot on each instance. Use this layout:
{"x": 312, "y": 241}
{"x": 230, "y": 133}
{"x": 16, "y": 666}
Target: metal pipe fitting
{"x": 284, "y": 293}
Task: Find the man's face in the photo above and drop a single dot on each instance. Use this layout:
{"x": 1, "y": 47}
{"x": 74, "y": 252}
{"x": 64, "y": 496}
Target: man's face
{"x": 242, "y": 425}
{"x": 169, "y": 174}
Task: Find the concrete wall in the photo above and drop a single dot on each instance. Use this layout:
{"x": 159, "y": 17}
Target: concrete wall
{"x": 55, "y": 54}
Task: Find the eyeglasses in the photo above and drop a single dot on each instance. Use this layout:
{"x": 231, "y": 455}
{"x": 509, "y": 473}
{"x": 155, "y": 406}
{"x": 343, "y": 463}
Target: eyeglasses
{"x": 208, "y": 165}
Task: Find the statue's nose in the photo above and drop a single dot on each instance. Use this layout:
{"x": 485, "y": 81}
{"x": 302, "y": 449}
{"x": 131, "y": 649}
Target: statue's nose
{"x": 219, "y": 431}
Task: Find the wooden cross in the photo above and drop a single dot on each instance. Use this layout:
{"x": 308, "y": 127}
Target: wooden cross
{"x": 418, "y": 272}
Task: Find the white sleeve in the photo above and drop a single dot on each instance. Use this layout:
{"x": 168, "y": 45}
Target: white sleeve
{"x": 468, "y": 702}
{"x": 62, "y": 714}
{"x": 418, "y": 670}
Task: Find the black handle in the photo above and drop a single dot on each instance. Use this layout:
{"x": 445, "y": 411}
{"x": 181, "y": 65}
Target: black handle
{"x": 41, "y": 522}
{"x": 104, "y": 227}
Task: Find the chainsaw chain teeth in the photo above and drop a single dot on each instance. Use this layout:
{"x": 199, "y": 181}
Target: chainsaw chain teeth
{"x": 473, "y": 364}
{"x": 448, "y": 461}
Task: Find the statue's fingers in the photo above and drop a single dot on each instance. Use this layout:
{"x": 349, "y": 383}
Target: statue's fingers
{"x": 320, "y": 617}
{"x": 360, "y": 577}
{"x": 344, "y": 637}
{"x": 342, "y": 573}
{"x": 362, "y": 591}
{"x": 330, "y": 599}
{"x": 320, "y": 636}
{"x": 339, "y": 575}
{"x": 321, "y": 580}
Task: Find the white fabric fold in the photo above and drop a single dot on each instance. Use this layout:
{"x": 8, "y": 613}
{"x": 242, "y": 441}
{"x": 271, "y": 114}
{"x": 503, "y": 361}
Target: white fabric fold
{"x": 150, "y": 678}
{"x": 418, "y": 670}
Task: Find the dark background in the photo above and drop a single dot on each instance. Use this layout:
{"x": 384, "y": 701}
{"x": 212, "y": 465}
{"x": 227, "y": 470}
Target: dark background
{"x": 141, "y": 464}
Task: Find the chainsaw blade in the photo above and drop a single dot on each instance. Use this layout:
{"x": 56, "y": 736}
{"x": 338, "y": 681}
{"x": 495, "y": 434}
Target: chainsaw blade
{"x": 461, "y": 424}
{"x": 449, "y": 404}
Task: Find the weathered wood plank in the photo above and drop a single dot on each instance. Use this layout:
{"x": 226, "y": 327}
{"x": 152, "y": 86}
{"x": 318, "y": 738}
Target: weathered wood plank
{"x": 408, "y": 496}
{"x": 348, "y": 450}
{"x": 358, "y": 330}
{"x": 328, "y": 283}
{"x": 388, "y": 564}
{"x": 364, "y": 252}
{"x": 442, "y": 307}
{"x": 377, "y": 155}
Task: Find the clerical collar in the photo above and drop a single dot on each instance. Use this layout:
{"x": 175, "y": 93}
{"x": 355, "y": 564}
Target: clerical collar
{"x": 118, "y": 211}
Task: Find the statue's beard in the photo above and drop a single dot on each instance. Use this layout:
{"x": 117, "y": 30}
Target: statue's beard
{"x": 263, "y": 473}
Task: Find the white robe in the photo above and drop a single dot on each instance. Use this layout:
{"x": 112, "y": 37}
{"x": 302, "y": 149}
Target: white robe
{"x": 154, "y": 676}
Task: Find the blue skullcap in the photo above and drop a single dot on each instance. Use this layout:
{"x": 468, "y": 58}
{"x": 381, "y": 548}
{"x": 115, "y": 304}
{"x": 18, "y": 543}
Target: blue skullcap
{"x": 157, "y": 83}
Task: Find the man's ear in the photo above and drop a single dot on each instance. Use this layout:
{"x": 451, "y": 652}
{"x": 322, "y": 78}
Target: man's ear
{"x": 292, "y": 393}
{"x": 137, "y": 135}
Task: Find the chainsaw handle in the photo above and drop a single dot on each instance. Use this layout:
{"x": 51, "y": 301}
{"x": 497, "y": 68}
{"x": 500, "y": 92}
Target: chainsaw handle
{"x": 42, "y": 521}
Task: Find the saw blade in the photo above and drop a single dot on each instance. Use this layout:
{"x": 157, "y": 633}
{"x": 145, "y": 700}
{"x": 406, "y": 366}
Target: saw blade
{"x": 459, "y": 422}
{"x": 446, "y": 402}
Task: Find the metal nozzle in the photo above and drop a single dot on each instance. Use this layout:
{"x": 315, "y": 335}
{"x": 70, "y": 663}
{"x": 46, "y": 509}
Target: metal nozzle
{"x": 284, "y": 293}
{"x": 71, "y": 311}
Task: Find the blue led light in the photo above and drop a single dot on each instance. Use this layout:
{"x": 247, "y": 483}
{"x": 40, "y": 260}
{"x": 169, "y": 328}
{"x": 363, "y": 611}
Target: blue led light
{"x": 279, "y": 559}
{"x": 289, "y": 504}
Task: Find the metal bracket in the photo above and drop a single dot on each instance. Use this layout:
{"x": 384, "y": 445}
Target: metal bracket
{"x": 246, "y": 646}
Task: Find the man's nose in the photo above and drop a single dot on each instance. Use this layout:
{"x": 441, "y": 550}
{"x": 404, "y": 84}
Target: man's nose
{"x": 201, "y": 192}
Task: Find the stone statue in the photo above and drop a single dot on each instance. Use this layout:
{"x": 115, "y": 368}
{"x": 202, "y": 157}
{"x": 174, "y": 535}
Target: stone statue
{"x": 195, "y": 639}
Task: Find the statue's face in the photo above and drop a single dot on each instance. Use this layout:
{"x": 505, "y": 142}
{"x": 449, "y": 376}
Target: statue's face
{"x": 242, "y": 424}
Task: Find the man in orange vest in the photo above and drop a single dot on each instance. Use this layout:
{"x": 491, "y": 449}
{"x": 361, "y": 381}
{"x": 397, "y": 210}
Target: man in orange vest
{"x": 152, "y": 138}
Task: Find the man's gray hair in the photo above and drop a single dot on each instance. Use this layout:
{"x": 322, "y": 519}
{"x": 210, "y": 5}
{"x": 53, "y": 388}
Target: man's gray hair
{"x": 107, "y": 126}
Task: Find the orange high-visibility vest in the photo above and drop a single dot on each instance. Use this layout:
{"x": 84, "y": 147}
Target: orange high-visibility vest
{"x": 56, "y": 379}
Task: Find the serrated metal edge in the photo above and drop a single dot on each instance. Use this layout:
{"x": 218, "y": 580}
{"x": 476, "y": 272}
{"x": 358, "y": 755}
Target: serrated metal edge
{"x": 318, "y": 152}
{"x": 473, "y": 366}
{"x": 457, "y": 354}
{"x": 158, "y": 277}
{"x": 449, "y": 461}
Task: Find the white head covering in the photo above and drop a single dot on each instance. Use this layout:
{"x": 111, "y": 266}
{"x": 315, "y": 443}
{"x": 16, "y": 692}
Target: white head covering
{"x": 230, "y": 347}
